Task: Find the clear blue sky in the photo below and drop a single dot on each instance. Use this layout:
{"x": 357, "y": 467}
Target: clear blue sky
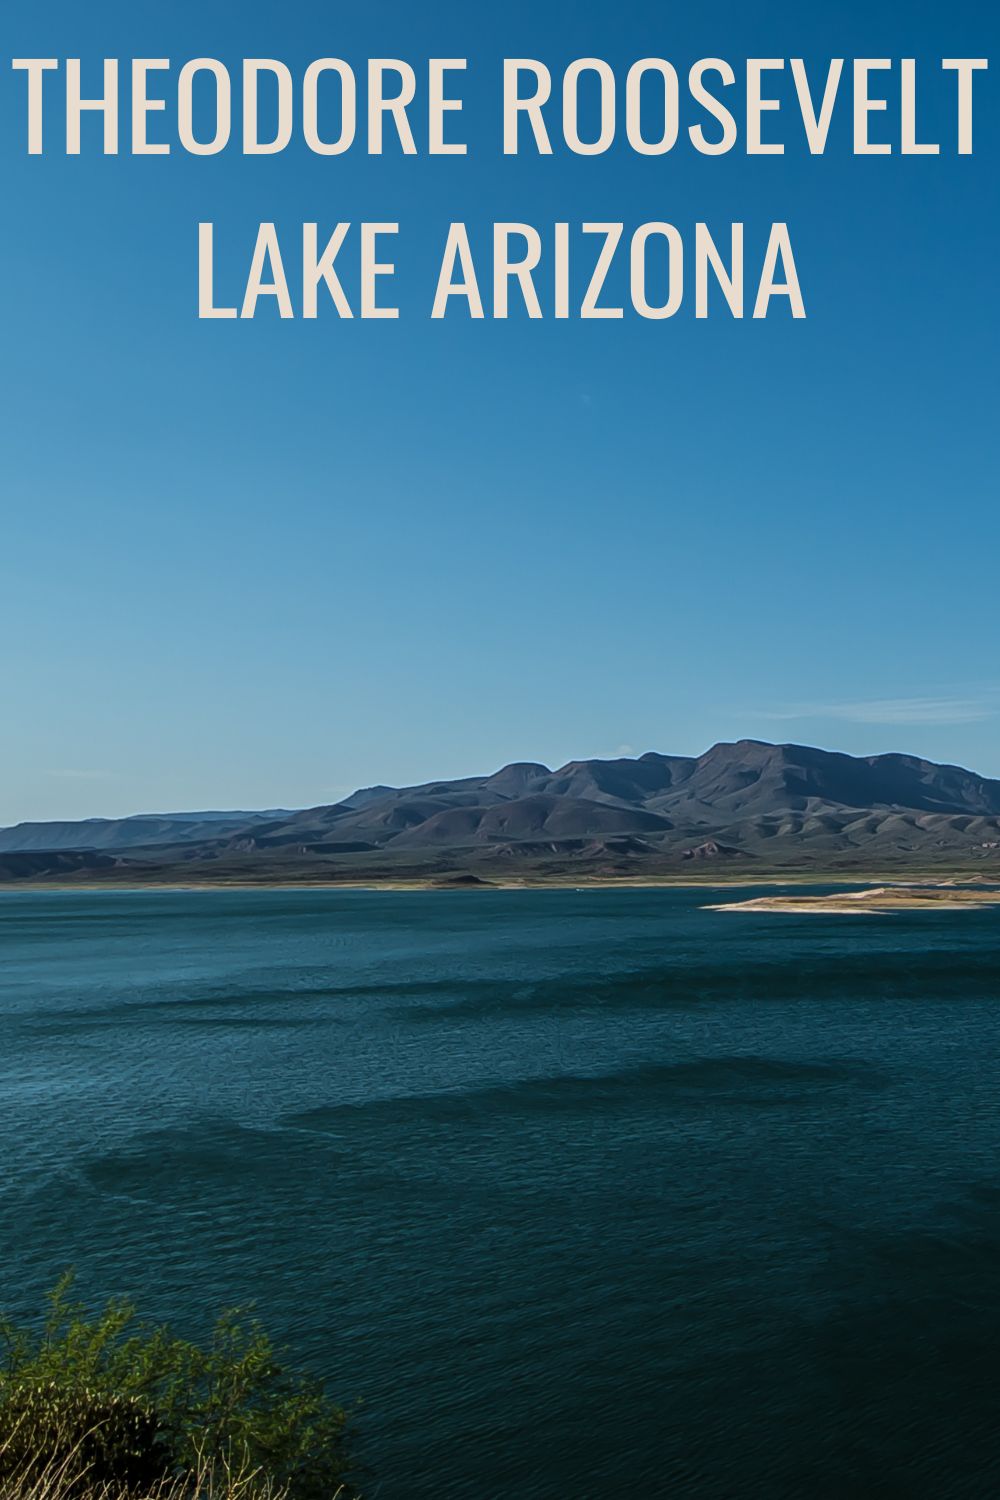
{"x": 258, "y": 563}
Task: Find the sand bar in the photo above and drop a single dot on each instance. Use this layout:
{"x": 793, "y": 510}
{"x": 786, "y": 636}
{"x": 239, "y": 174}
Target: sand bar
{"x": 880, "y": 900}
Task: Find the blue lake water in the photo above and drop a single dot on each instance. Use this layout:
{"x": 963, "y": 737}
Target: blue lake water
{"x": 583, "y": 1194}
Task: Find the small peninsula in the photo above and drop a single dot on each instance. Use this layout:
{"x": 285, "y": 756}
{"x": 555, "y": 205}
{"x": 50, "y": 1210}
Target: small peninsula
{"x": 878, "y": 900}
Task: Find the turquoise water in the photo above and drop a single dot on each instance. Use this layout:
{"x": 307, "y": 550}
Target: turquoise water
{"x": 584, "y": 1194}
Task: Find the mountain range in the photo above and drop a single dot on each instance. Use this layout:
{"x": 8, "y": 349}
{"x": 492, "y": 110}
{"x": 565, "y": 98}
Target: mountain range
{"x": 750, "y": 807}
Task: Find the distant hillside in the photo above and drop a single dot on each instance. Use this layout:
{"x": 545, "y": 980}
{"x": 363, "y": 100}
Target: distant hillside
{"x": 761, "y": 805}
{"x": 128, "y": 833}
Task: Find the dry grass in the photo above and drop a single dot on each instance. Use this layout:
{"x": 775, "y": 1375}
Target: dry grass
{"x": 65, "y": 1479}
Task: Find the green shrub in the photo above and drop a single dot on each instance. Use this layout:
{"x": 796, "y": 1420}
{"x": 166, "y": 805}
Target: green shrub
{"x": 132, "y": 1405}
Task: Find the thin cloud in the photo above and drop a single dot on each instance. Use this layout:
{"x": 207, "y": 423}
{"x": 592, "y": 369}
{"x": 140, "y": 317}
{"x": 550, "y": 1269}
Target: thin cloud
{"x": 895, "y": 711}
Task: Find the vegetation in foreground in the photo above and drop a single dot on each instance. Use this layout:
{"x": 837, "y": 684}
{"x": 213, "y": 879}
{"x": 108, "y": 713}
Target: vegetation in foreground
{"x": 93, "y": 1407}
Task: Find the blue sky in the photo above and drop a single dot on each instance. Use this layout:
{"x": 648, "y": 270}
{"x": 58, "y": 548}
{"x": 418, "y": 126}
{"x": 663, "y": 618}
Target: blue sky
{"x": 259, "y": 563}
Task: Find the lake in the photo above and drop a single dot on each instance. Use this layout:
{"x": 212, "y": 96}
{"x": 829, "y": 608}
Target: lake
{"x": 581, "y": 1193}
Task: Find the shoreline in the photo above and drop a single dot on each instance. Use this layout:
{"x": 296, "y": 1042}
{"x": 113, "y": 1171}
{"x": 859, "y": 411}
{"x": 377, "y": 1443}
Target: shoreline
{"x": 941, "y": 882}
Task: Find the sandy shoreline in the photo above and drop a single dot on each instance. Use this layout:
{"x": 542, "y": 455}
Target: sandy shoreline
{"x": 879, "y": 892}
